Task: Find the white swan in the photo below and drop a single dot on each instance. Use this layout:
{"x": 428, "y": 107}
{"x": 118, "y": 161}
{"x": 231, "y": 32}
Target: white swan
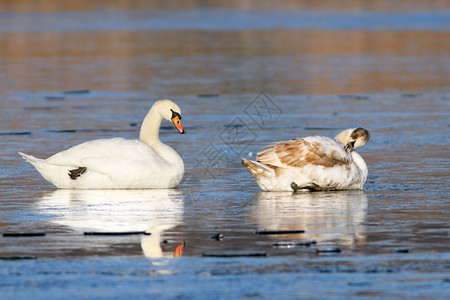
{"x": 118, "y": 163}
{"x": 315, "y": 163}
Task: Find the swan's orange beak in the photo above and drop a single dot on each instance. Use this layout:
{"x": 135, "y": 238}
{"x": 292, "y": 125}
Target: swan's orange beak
{"x": 176, "y": 121}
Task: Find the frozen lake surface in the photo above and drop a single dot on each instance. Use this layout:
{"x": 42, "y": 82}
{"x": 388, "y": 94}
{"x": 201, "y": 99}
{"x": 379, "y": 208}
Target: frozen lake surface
{"x": 244, "y": 78}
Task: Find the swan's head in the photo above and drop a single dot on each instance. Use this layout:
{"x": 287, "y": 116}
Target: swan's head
{"x": 170, "y": 111}
{"x": 353, "y": 138}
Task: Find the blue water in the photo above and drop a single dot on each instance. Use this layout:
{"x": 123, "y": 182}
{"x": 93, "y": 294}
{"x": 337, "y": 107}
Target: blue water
{"x": 223, "y": 20}
{"x": 262, "y": 278}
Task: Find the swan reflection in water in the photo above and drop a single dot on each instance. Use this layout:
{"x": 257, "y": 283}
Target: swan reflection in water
{"x": 334, "y": 217}
{"x": 152, "y": 211}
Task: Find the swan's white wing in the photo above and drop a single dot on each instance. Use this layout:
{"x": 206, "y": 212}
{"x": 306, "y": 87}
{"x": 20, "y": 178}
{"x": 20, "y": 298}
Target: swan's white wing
{"x": 298, "y": 153}
{"x": 110, "y": 156}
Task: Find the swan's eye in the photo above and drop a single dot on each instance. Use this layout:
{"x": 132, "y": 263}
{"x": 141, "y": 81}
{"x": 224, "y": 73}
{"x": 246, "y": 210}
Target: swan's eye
{"x": 176, "y": 120}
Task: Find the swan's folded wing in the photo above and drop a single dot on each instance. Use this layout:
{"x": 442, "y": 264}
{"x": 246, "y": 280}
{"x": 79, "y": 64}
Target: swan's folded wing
{"x": 298, "y": 153}
{"x": 122, "y": 166}
{"x": 110, "y": 156}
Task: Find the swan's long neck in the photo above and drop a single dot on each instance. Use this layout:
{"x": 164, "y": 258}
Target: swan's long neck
{"x": 150, "y": 128}
{"x": 361, "y": 164}
{"x": 150, "y": 135}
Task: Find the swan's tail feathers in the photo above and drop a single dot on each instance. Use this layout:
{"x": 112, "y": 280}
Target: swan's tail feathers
{"x": 34, "y": 161}
{"x": 51, "y": 173}
{"x": 257, "y": 169}
{"x": 29, "y": 158}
